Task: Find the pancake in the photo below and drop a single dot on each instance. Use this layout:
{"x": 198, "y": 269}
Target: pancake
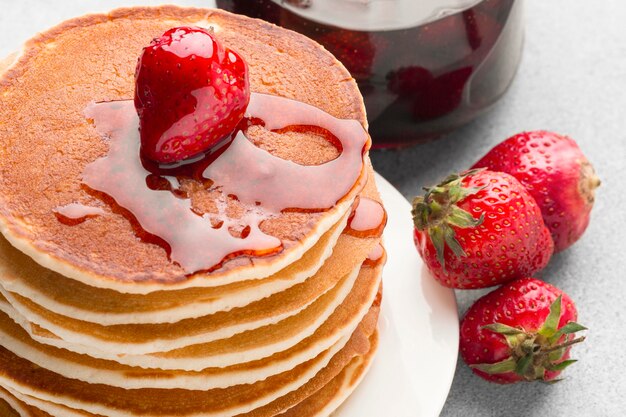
{"x": 95, "y": 371}
{"x": 138, "y": 340}
{"x": 8, "y": 411}
{"x": 324, "y": 328}
{"x": 47, "y": 142}
{"x": 367, "y": 331}
{"x": 150, "y": 338}
{"x": 21, "y": 276}
{"x": 320, "y": 403}
{"x": 27, "y": 407}
{"x": 245, "y": 284}
{"x": 98, "y": 371}
{"x": 333, "y": 394}
{"x": 70, "y": 298}
{"x": 12, "y": 407}
{"x": 256, "y": 399}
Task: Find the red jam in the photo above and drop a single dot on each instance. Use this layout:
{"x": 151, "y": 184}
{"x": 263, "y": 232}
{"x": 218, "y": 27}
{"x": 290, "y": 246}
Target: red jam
{"x": 267, "y": 185}
{"x": 424, "y": 67}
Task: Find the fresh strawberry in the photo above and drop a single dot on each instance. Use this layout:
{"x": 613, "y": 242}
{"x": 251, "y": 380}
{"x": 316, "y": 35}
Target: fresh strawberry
{"x": 190, "y": 94}
{"x": 556, "y": 173}
{"x": 480, "y": 229}
{"x": 522, "y": 331}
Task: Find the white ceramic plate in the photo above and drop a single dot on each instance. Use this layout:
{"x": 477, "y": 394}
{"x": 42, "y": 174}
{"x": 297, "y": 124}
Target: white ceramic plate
{"x": 419, "y": 330}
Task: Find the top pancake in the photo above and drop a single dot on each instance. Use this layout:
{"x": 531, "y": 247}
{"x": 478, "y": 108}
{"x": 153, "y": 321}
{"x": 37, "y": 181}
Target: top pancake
{"x": 46, "y": 142}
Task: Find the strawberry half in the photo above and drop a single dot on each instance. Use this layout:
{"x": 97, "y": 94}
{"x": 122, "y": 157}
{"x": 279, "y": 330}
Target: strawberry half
{"x": 190, "y": 94}
{"x": 522, "y": 331}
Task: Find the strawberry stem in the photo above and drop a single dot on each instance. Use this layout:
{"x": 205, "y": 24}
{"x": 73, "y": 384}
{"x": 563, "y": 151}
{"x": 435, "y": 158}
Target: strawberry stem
{"x": 564, "y": 345}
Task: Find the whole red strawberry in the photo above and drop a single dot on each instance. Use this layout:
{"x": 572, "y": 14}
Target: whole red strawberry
{"x": 480, "y": 229}
{"x": 522, "y": 331}
{"x": 556, "y": 173}
{"x": 190, "y": 94}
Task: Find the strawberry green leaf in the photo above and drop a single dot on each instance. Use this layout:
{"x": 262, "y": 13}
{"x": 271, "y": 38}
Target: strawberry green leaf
{"x": 472, "y": 171}
{"x": 552, "y": 321}
{"x": 561, "y": 365}
{"x": 453, "y": 244}
{"x": 507, "y": 365}
{"x": 569, "y": 328}
{"x": 523, "y": 365}
{"x": 461, "y": 218}
{"x": 420, "y": 213}
{"x": 436, "y": 236}
{"x": 452, "y": 178}
{"x": 511, "y": 334}
{"x": 454, "y": 187}
{"x": 503, "y": 329}
{"x": 555, "y": 355}
{"x": 554, "y": 381}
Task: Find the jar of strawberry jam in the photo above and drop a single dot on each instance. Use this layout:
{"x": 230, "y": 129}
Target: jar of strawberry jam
{"x": 424, "y": 67}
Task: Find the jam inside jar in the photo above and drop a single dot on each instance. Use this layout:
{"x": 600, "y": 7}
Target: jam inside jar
{"x": 424, "y": 67}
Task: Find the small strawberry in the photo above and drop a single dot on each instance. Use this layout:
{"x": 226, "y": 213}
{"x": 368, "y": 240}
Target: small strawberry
{"x": 556, "y": 173}
{"x": 522, "y": 331}
{"x": 506, "y": 240}
{"x": 190, "y": 94}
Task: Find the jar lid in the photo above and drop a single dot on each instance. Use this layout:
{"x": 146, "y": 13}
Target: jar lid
{"x": 375, "y": 15}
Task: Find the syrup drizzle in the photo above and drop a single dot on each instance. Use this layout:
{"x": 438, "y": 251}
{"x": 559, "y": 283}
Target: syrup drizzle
{"x": 76, "y": 213}
{"x": 376, "y": 256}
{"x": 368, "y": 219}
{"x": 267, "y": 185}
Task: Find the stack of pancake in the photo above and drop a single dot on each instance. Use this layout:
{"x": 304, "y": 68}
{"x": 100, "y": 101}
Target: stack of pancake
{"x": 96, "y": 316}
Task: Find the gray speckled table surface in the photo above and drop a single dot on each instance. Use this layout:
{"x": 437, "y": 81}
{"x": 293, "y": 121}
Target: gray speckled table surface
{"x": 573, "y": 80}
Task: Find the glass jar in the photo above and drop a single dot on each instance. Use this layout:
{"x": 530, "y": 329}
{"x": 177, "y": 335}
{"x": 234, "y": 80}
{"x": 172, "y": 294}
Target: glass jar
{"x": 424, "y": 67}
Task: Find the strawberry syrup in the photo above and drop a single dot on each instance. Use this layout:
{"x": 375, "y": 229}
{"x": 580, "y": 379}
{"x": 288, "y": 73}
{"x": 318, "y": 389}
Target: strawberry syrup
{"x": 367, "y": 220}
{"x": 376, "y": 256}
{"x": 76, "y": 213}
{"x": 150, "y": 195}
